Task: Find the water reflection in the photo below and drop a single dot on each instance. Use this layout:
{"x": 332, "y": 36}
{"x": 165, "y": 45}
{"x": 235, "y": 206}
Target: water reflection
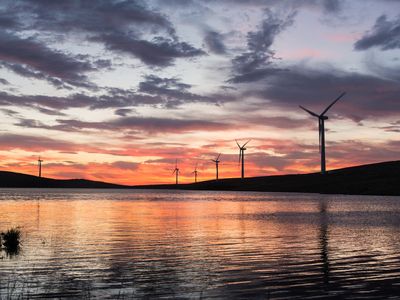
{"x": 142, "y": 244}
{"x": 323, "y": 238}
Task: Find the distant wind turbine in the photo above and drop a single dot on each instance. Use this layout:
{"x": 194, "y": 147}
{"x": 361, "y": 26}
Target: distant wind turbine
{"x": 195, "y": 172}
{"x": 241, "y": 154}
{"x": 216, "y": 165}
{"x": 40, "y": 166}
{"x": 176, "y": 171}
{"x": 321, "y": 130}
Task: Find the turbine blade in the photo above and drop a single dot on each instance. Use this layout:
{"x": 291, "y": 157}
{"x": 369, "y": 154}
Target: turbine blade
{"x": 309, "y": 111}
{"x": 246, "y": 143}
{"x": 240, "y": 156}
{"x": 336, "y": 100}
{"x": 218, "y": 156}
{"x": 237, "y": 144}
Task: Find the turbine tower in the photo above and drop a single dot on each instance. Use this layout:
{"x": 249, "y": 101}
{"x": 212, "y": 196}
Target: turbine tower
{"x": 216, "y": 165}
{"x": 176, "y": 171}
{"x": 321, "y": 130}
{"x": 195, "y": 172}
{"x": 40, "y": 166}
{"x": 241, "y": 154}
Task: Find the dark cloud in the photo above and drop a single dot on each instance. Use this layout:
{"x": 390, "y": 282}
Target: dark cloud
{"x": 120, "y": 98}
{"x": 327, "y": 6}
{"x": 157, "y": 91}
{"x": 121, "y": 26}
{"x": 332, "y": 5}
{"x": 392, "y": 127}
{"x": 161, "y": 125}
{"x": 172, "y": 91}
{"x": 132, "y": 123}
{"x": 149, "y": 124}
{"x": 30, "y": 123}
{"x": 367, "y": 96}
{"x": 123, "y": 112}
{"x": 157, "y": 84}
{"x": 153, "y": 91}
{"x": 160, "y": 51}
{"x": 101, "y": 16}
{"x": 30, "y": 58}
{"x": 280, "y": 122}
{"x": 257, "y": 62}
{"x": 8, "y": 21}
{"x": 4, "y": 81}
{"x": 33, "y": 143}
{"x": 385, "y": 34}
{"x": 9, "y": 112}
{"x": 214, "y": 41}
{"x": 47, "y": 104}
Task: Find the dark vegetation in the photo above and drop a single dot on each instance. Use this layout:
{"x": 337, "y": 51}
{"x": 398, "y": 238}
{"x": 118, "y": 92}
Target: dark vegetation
{"x": 374, "y": 179}
{"x": 10, "y": 240}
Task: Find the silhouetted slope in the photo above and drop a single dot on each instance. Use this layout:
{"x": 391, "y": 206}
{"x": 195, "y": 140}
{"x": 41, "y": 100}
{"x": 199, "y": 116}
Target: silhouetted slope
{"x": 373, "y": 179}
{"x": 18, "y": 180}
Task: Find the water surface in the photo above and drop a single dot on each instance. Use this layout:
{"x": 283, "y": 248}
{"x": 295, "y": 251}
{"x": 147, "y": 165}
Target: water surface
{"x": 199, "y": 245}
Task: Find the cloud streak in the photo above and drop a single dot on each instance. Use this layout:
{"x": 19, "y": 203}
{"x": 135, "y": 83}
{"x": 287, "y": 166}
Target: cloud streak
{"x": 385, "y": 35}
{"x": 257, "y": 62}
{"x": 30, "y": 58}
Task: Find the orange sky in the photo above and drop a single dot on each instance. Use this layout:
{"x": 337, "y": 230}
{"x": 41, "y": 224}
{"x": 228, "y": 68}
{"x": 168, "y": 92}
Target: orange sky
{"x": 118, "y": 92}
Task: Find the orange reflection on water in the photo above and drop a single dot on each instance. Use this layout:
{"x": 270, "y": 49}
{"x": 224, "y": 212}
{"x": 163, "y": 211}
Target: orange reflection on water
{"x": 207, "y": 241}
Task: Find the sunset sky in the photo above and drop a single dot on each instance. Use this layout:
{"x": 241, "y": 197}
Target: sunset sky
{"x": 117, "y": 90}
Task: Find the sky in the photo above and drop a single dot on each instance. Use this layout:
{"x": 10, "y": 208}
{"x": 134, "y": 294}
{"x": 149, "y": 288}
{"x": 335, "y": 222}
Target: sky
{"x": 118, "y": 91}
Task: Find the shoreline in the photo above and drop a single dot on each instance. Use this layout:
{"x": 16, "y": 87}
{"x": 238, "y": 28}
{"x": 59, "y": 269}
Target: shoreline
{"x": 380, "y": 179}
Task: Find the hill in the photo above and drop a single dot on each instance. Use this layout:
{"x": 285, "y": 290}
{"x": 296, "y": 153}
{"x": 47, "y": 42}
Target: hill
{"x": 373, "y": 179}
{"x": 18, "y": 180}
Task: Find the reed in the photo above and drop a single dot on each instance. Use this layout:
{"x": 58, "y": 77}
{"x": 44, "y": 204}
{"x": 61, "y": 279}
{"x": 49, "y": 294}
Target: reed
{"x": 10, "y": 240}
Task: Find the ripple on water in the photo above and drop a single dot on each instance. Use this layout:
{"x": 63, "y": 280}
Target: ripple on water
{"x": 135, "y": 244}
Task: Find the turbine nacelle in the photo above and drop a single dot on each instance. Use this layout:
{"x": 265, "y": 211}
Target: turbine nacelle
{"x": 217, "y": 159}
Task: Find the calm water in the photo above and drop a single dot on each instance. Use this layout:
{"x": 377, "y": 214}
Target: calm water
{"x": 198, "y": 245}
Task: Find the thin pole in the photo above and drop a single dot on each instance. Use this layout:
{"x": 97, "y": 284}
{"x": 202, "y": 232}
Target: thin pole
{"x": 216, "y": 165}
{"x": 323, "y": 162}
{"x": 242, "y": 151}
{"x": 40, "y": 168}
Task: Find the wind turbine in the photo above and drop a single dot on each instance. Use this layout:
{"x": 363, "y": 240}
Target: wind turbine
{"x": 195, "y": 172}
{"x": 321, "y": 130}
{"x": 40, "y": 166}
{"x": 176, "y": 171}
{"x": 216, "y": 165}
{"x": 241, "y": 155}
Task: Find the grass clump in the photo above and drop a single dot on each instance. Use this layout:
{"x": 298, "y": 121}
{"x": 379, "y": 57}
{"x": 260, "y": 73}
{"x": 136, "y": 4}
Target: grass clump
{"x": 10, "y": 240}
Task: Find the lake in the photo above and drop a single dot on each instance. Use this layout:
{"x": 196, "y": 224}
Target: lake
{"x": 133, "y": 244}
